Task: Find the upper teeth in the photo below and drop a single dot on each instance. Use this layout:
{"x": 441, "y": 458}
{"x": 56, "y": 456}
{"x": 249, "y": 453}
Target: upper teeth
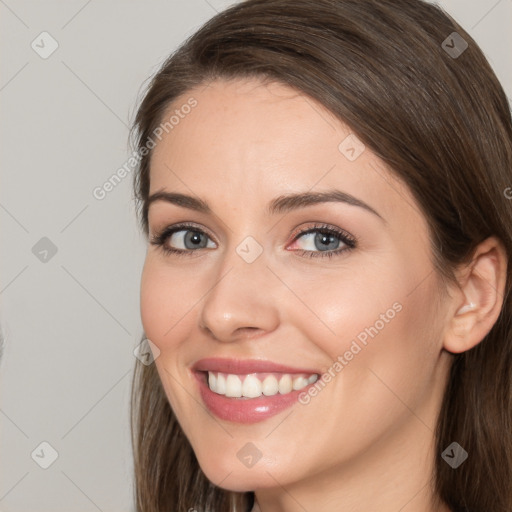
{"x": 254, "y": 385}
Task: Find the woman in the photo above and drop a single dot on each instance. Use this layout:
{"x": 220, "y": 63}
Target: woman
{"x": 325, "y": 189}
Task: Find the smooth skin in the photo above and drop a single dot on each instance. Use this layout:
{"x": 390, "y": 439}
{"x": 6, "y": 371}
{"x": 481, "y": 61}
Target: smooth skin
{"x": 366, "y": 441}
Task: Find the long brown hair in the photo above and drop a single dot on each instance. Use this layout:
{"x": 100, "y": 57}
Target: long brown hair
{"x": 434, "y": 111}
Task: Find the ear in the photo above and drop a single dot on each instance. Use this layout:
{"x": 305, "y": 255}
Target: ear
{"x": 478, "y": 302}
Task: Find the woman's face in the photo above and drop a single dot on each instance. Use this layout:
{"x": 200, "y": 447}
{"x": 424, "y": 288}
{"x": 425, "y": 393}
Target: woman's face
{"x": 287, "y": 290}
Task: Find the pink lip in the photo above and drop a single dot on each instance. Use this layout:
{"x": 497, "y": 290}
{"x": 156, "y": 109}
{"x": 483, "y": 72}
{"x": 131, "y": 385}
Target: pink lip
{"x": 245, "y": 410}
{"x": 245, "y": 366}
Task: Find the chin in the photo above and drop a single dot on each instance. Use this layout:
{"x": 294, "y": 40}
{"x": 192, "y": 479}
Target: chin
{"x": 239, "y": 479}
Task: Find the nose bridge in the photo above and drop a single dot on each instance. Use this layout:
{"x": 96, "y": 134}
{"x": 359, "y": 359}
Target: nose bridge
{"x": 240, "y": 295}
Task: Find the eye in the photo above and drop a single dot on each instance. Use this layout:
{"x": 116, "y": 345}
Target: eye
{"x": 321, "y": 240}
{"x": 187, "y": 237}
{"x": 324, "y": 241}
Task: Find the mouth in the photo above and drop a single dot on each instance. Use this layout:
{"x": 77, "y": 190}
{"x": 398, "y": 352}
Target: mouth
{"x": 248, "y": 391}
{"x": 254, "y": 385}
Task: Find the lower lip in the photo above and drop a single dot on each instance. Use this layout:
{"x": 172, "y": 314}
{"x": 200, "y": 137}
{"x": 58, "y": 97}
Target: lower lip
{"x": 245, "y": 410}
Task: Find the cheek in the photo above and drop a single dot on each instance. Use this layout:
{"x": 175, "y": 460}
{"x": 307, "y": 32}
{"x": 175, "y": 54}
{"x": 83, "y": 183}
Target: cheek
{"x": 151, "y": 294}
{"x": 163, "y": 304}
{"x": 164, "y": 309}
{"x": 375, "y": 316}
{"x": 394, "y": 333}
{"x": 355, "y": 305}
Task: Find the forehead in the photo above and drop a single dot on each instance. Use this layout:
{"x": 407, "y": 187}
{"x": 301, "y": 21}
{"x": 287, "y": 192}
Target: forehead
{"x": 245, "y": 142}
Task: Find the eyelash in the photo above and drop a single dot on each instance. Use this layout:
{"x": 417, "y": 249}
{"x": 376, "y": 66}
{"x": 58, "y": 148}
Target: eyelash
{"x": 159, "y": 240}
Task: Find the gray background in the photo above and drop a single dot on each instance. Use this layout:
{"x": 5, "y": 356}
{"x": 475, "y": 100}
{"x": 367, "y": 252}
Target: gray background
{"x": 71, "y": 319}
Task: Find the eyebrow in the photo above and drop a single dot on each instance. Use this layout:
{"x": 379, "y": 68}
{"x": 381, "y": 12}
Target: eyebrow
{"x": 281, "y": 204}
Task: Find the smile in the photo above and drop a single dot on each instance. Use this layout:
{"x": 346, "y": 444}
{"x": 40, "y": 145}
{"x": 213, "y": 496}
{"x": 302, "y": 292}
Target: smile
{"x": 256, "y": 384}
{"x": 249, "y": 391}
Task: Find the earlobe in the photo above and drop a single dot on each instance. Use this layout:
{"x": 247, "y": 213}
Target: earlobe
{"x": 482, "y": 285}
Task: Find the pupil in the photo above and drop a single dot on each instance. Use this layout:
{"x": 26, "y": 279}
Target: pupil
{"x": 326, "y": 240}
{"x": 194, "y": 237}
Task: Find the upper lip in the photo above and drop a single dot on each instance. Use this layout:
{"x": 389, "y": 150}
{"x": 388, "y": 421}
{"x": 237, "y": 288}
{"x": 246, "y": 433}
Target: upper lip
{"x": 246, "y": 366}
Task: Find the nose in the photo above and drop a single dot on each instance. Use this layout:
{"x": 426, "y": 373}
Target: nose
{"x": 242, "y": 301}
